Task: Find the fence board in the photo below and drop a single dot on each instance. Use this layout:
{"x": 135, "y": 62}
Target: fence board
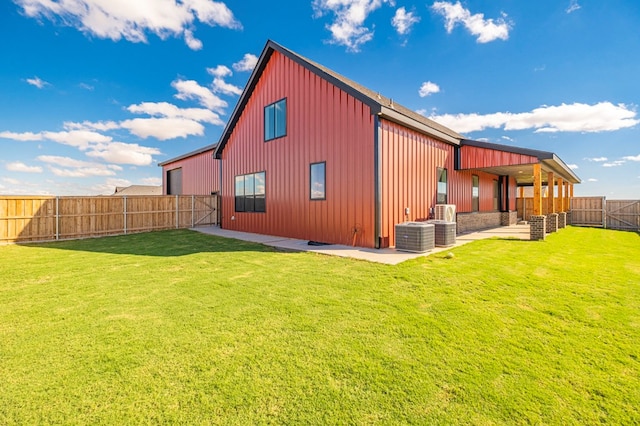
{"x": 623, "y": 215}
{"x": 588, "y": 211}
{"x": 24, "y": 219}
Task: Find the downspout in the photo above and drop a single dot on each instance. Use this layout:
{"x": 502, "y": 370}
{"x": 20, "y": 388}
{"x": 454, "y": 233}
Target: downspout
{"x": 377, "y": 182}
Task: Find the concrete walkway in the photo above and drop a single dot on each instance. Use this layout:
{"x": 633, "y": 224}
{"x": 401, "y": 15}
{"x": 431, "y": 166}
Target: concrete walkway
{"x": 389, "y": 256}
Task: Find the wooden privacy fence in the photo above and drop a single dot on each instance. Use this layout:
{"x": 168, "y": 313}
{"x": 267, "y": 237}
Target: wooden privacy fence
{"x": 594, "y": 211}
{"x": 59, "y": 218}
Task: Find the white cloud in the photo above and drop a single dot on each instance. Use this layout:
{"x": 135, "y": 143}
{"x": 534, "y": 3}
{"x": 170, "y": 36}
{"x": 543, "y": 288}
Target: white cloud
{"x": 507, "y": 138}
{"x": 73, "y": 163}
{"x": 247, "y": 63}
{"x": 576, "y": 117}
{"x": 36, "y": 81}
{"x": 192, "y": 42}
{"x": 23, "y": 137}
{"x": 18, "y": 166}
{"x": 81, "y": 172}
{"x": 102, "y": 126}
{"x": 428, "y": 88}
{"x": 132, "y": 21}
{"x": 592, "y": 180}
{"x": 124, "y": 153}
{"x": 348, "y": 28}
{"x": 486, "y": 30}
{"x": 573, "y": 166}
{"x": 11, "y": 181}
{"x": 402, "y": 21}
{"x": 221, "y": 86}
{"x": 165, "y": 109}
{"x": 632, "y": 158}
{"x": 573, "y": 6}
{"x": 597, "y": 159}
{"x": 86, "y": 86}
{"x": 163, "y": 128}
{"x": 109, "y": 186}
{"x": 191, "y": 90}
{"x": 80, "y": 139}
{"x": 220, "y": 71}
{"x": 616, "y": 163}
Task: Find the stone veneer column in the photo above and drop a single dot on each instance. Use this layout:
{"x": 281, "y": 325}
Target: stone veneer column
{"x": 568, "y": 221}
{"x": 538, "y": 226}
{"x": 562, "y": 220}
{"x": 552, "y": 222}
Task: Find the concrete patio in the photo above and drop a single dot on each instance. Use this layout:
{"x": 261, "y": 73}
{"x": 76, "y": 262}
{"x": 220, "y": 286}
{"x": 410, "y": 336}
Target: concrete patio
{"x": 388, "y": 256}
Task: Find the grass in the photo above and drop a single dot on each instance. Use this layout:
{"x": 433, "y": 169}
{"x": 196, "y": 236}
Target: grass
{"x": 185, "y": 328}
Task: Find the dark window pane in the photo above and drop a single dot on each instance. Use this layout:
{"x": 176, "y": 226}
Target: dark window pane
{"x": 318, "y": 181}
{"x": 249, "y": 204}
{"x": 475, "y": 194}
{"x": 239, "y": 193}
{"x": 260, "y": 203}
{"x": 442, "y": 186}
{"x": 269, "y": 122}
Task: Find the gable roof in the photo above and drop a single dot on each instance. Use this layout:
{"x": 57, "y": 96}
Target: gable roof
{"x": 380, "y": 105}
{"x": 188, "y": 154}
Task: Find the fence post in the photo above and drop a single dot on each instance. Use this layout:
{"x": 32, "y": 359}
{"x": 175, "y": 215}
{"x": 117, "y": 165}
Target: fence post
{"x": 177, "y": 212}
{"x": 125, "y": 213}
{"x": 57, "y": 218}
{"x": 193, "y": 210}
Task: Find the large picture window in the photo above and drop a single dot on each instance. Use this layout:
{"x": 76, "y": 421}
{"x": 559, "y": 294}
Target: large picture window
{"x": 250, "y": 192}
{"x": 475, "y": 193}
{"x": 442, "y": 186}
{"x": 318, "y": 179}
{"x": 275, "y": 120}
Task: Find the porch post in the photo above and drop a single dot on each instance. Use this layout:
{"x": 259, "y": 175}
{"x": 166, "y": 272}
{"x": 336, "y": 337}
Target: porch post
{"x": 537, "y": 222}
{"x": 550, "y": 194}
{"x": 537, "y": 189}
{"x": 552, "y": 216}
{"x": 560, "y": 195}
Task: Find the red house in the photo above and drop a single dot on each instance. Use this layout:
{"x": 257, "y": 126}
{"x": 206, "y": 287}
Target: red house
{"x": 194, "y": 173}
{"x": 309, "y": 154}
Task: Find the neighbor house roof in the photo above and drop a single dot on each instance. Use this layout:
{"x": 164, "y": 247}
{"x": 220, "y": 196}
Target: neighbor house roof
{"x": 189, "y": 154}
{"x": 379, "y": 104}
{"x": 138, "y": 190}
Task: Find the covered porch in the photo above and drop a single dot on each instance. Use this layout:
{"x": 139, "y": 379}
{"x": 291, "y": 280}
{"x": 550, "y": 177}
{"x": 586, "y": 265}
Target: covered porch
{"x": 547, "y": 179}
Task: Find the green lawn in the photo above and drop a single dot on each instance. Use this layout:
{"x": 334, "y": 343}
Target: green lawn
{"x": 185, "y": 328}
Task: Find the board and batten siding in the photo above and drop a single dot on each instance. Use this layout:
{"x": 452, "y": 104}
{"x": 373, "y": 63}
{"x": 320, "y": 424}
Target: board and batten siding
{"x": 473, "y": 157}
{"x": 200, "y": 174}
{"x": 323, "y": 123}
{"x": 409, "y": 163}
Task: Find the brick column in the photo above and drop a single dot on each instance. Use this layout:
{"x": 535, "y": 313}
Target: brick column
{"x": 508, "y": 218}
{"x": 562, "y": 220}
{"x": 552, "y": 223}
{"x": 569, "y": 222}
{"x": 537, "y": 226}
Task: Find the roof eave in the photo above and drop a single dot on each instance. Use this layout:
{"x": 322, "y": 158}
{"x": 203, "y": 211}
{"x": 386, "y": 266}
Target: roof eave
{"x": 395, "y": 116}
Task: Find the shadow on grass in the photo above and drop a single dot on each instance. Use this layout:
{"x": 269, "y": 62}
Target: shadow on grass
{"x": 176, "y": 242}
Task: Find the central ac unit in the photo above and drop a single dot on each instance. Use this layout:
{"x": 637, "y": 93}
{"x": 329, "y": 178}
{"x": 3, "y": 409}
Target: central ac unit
{"x": 446, "y": 212}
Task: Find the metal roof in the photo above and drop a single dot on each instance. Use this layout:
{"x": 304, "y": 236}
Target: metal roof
{"x": 189, "y": 154}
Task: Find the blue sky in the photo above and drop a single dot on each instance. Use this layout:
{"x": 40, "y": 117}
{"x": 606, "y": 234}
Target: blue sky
{"x": 95, "y": 93}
